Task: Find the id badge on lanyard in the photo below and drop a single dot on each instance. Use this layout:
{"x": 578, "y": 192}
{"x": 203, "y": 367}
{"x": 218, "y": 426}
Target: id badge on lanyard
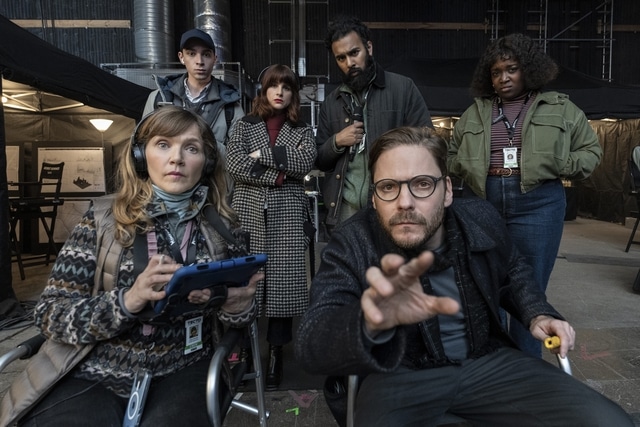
{"x": 510, "y": 153}
{"x": 510, "y": 157}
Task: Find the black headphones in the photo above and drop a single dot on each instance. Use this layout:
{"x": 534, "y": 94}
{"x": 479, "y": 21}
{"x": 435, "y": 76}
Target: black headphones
{"x": 264, "y": 70}
{"x": 140, "y": 159}
{"x": 137, "y": 151}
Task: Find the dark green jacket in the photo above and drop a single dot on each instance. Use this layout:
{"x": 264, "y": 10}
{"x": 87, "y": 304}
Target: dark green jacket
{"x": 557, "y": 142}
{"x": 393, "y": 101}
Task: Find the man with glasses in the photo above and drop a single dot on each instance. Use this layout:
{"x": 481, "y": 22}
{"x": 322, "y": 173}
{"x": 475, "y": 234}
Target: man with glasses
{"x": 407, "y": 297}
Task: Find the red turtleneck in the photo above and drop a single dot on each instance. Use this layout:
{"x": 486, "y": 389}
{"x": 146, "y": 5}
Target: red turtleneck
{"x": 274, "y": 124}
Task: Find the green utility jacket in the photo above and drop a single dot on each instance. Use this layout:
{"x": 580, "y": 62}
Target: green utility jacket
{"x": 557, "y": 142}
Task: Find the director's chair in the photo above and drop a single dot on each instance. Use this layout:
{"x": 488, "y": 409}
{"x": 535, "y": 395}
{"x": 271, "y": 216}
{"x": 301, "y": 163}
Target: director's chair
{"x": 37, "y": 202}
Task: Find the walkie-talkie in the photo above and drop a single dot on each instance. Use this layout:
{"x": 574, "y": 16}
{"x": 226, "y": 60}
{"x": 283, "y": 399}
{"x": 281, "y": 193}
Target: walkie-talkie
{"x": 356, "y": 115}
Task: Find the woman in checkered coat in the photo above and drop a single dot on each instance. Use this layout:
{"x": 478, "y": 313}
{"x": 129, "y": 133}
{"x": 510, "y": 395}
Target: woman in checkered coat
{"x": 268, "y": 155}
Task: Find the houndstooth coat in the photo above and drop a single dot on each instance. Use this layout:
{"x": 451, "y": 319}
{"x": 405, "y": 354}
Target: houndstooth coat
{"x": 274, "y": 216}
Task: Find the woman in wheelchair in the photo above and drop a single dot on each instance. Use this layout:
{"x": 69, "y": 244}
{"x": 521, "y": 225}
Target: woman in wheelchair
{"x": 107, "y": 351}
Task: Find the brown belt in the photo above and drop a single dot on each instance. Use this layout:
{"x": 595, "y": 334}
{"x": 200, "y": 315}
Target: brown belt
{"x": 503, "y": 172}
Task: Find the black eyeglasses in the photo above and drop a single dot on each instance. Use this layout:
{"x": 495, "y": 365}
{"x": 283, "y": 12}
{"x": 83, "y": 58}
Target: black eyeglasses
{"x": 420, "y": 187}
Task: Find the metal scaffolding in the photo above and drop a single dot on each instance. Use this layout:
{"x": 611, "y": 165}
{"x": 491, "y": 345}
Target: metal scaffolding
{"x": 538, "y": 22}
{"x": 290, "y": 23}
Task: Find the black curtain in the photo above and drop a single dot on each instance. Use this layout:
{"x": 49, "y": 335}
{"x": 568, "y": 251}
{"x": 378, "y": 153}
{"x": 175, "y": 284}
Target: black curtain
{"x": 7, "y": 296}
{"x": 30, "y": 60}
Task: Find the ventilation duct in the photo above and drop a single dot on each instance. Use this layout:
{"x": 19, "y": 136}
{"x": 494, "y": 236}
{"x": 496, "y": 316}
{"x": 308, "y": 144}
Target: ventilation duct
{"x": 153, "y": 31}
{"x": 214, "y": 17}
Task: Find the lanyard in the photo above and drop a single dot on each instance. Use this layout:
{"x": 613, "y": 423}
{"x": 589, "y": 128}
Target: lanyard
{"x": 511, "y": 127}
{"x": 189, "y": 240}
{"x": 359, "y": 103}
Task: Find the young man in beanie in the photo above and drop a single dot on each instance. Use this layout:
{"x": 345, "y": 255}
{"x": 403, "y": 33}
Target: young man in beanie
{"x": 197, "y": 90}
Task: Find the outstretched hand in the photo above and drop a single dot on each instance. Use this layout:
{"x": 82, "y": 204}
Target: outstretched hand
{"x": 395, "y": 295}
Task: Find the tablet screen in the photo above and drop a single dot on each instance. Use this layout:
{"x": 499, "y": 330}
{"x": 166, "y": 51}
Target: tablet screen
{"x": 228, "y": 272}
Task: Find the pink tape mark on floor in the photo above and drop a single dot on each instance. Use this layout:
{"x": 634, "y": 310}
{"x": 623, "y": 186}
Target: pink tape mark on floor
{"x": 303, "y": 399}
{"x": 585, "y": 355}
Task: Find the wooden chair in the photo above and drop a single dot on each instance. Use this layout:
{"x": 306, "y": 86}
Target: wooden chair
{"x": 37, "y": 201}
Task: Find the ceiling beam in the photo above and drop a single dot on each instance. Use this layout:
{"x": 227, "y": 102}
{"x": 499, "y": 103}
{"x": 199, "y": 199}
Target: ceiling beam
{"x": 456, "y": 26}
{"x": 72, "y": 23}
{"x": 471, "y": 26}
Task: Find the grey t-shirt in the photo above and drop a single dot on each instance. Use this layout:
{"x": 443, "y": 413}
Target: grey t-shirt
{"x": 452, "y": 327}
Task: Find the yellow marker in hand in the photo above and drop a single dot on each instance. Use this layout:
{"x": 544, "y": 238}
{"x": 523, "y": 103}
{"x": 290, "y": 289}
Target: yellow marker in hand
{"x": 552, "y": 342}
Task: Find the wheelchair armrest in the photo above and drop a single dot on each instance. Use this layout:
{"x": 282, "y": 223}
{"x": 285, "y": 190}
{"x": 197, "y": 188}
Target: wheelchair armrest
{"x": 563, "y": 363}
{"x": 223, "y": 349}
{"x": 229, "y": 340}
{"x": 24, "y": 350}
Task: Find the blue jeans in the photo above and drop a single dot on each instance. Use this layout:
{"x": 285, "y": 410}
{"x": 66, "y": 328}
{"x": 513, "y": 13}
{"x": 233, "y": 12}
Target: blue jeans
{"x": 535, "y": 221}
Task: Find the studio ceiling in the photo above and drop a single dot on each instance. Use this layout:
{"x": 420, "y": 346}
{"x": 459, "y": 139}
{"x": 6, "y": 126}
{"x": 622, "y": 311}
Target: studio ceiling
{"x": 21, "y": 97}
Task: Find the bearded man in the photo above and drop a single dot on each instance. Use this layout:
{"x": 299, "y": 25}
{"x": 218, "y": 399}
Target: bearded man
{"x": 407, "y": 296}
{"x": 369, "y": 102}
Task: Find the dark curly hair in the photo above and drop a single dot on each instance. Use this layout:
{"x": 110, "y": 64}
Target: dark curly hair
{"x": 537, "y": 67}
{"x": 342, "y": 25}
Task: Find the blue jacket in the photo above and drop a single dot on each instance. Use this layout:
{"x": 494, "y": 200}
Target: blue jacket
{"x": 330, "y": 338}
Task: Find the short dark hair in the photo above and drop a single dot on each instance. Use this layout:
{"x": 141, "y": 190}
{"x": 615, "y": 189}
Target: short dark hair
{"x": 342, "y": 25}
{"x": 406, "y": 135}
{"x": 537, "y": 67}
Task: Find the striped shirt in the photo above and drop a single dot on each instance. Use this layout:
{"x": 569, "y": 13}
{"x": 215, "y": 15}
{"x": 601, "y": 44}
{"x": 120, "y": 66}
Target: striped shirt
{"x": 512, "y": 109}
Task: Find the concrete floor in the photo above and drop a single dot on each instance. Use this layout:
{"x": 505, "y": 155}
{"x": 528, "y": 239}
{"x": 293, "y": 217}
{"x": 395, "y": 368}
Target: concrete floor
{"x": 591, "y": 285}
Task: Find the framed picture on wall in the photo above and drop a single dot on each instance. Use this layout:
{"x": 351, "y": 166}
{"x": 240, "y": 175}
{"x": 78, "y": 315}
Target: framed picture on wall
{"x": 85, "y": 167}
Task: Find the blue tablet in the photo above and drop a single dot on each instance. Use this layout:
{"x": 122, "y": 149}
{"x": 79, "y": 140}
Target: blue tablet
{"x": 217, "y": 275}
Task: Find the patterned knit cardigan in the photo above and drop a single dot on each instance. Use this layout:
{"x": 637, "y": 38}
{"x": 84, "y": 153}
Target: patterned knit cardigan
{"x": 56, "y": 359}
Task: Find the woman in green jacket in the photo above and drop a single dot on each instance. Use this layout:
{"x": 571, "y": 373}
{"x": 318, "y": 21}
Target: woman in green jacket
{"x": 515, "y": 144}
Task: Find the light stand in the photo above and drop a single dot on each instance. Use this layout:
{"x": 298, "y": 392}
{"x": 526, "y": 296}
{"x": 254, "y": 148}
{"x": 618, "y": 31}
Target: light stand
{"x": 102, "y": 125}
